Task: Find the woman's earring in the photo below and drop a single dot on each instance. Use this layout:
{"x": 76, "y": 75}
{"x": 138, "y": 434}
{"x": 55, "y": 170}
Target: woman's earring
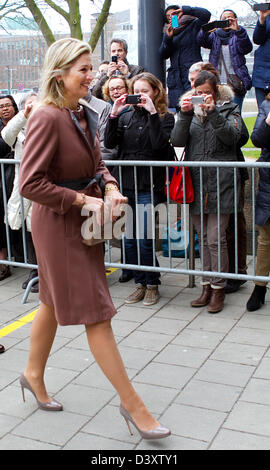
{"x": 61, "y": 84}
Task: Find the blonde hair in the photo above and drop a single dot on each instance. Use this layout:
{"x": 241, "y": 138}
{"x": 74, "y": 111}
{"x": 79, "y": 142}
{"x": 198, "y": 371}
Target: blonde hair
{"x": 58, "y": 60}
{"x": 105, "y": 88}
{"x": 160, "y": 100}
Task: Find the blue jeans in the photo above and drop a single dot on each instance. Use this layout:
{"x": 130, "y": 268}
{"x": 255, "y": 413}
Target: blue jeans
{"x": 260, "y": 95}
{"x": 239, "y": 100}
{"x": 144, "y": 238}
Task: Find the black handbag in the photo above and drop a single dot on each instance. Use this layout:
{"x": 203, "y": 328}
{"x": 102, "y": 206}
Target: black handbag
{"x": 233, "y": 80}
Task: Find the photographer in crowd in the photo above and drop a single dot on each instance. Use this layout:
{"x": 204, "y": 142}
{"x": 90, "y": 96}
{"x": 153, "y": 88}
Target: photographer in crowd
{"x": 261, "y": 69}
{"x": 180, "y": 45}
{"x": 119, "y": 65}
{"x": 228, "y": 46}
{"x": 209, "y": 127}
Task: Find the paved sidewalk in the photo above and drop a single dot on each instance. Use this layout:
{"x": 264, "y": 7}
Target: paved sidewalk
{"x": 207, "y": 377}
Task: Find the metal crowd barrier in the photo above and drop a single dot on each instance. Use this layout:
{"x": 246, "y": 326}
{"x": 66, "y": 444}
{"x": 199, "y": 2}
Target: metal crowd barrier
{"x": 189, "y": 260}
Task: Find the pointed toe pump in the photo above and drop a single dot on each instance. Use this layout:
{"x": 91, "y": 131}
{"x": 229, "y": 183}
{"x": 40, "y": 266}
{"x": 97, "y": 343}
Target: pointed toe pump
{"x": 157, "y": 433}
{"x": 52, "y": 405}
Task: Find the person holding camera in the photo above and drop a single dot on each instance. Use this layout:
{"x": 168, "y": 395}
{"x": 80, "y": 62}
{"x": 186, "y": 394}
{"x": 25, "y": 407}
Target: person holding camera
{"x": 142, "y": 133}
{"x": 261, "y": 69}
{"x": 180, "y": 45}
{"x": 228, "y": 46}
{"x": 209, "y": 127}
{"x": 118, "y": 65}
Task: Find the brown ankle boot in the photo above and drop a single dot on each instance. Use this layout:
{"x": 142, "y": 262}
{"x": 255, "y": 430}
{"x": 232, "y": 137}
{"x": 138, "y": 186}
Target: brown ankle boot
{"x": 217, "y": 301}
{"x": 205, "y": 297}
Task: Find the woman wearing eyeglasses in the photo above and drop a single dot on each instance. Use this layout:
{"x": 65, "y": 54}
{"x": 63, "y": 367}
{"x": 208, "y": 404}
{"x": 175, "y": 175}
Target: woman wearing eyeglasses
{"x": 8, "y": 109}
{"x": 115, "y": 87}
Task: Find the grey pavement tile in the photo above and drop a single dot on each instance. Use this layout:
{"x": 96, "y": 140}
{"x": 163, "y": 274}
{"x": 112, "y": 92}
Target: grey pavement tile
{"x": 22, "y": 332}
{"x": 79, "y": 342}
{"x": 57, "y": 378}
{"x": 172, "y": 443}
{"x": 175, "y": 280}
{"x": 83, "y": 400}
{"x": 166, "y": 326}
{"x": 192, "y": 422}
{"x": 123, "y": 328}
{"x": 147, "y": 340}
{"x": 198, "y": 338}
{"x": 232, "y": 312}
{"x": 226, "y": 373}
{"x": 183, "y": 356}
{"x": 14, "y": 360}
{"x": 209, "y": 395}
{"x": 263, "y": 371}
{"x": 94, "y": 377}
{"x": 249, "y": 417}
{"x": 135, "y": 358}
{"x": 11, "y": 442}
{"x": 177, "y": 312}
{"x": 239, "y": 353}
{"x": 252, "y": 336}
{"x": 165, "y": 375}
{"x": 169, "y": 290}
{"x": 255, "y": 321}
{"x": 58, "y": 344}
{"x": 67, "y": 358}
{"x": 85, "y": 441}
{"x": 7, "y": 377}
{"x": 156, "y": 398}
{"x": 110, "y": 424}
{"x": 8, "y": 423}
{"x": 134, "y": 313}
{"x": 12, "y": 403}
{"x": 215, "y": 323}
{"x": 70, "y": 331}
{"x": 15, "y": 304}
{"x": 53, "y": 428}
{"x": 257, "y": 391}
{"x": 234, "y": 440}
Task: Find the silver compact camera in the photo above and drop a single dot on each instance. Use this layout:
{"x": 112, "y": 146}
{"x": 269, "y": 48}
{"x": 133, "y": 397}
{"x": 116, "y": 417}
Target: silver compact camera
{"x": 197, "y": 99}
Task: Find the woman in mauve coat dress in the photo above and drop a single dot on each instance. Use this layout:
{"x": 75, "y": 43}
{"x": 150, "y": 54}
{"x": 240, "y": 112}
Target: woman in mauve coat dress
{"x": 61, "y": 146}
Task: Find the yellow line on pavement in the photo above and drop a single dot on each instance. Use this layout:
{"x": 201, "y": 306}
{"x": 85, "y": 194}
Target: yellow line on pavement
{"x": 30, "y": 316}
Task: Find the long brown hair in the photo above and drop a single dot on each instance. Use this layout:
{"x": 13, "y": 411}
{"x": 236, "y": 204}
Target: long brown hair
{"x": 160, "y": 100}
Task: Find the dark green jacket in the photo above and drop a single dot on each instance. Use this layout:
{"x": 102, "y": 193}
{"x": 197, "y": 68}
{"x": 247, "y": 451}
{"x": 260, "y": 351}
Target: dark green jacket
{"x": 213, "y": 139}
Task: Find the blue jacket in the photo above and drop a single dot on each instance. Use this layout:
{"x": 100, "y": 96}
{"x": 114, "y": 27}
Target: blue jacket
{"x": 183, "y": 50}
{"x": 239, "y": 46}
{"x": 261, "y": 70}
{"x": 261, "y": 138}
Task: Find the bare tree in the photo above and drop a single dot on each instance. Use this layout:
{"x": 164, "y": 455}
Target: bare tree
{"x": 67, "y": 9}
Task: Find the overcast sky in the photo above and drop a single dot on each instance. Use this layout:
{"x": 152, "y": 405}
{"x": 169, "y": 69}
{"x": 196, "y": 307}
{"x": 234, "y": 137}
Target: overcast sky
{"x": 212, "y": 5}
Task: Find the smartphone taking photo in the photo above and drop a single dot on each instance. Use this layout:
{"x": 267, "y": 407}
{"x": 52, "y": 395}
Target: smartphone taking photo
{"x": 216, "y": 24}
{"x": 133, "y": 99}
{"x": 175, "y": 22}
{"x": 114, "y": 58}
{"x": 261, "y": 7}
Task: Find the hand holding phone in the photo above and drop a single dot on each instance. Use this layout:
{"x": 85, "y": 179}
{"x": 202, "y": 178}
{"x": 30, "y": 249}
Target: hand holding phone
{"x": 174, "y": 21}
{"x": 133, "y": 99}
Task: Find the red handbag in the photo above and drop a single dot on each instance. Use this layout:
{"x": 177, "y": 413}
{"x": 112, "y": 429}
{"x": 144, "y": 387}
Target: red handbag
{"x": 176, "y": 185}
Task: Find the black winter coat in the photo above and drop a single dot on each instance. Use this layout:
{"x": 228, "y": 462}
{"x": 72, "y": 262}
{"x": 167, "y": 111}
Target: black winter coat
{"x": 141, "y": 136}
{"x": 261, "y": 138}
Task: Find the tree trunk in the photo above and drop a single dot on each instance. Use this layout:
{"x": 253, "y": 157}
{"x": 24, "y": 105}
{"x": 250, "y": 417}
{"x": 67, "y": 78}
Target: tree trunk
{"x": 41, "y": 22}
{"x": 101, "y": 21}
{"x": 75, "y": 19}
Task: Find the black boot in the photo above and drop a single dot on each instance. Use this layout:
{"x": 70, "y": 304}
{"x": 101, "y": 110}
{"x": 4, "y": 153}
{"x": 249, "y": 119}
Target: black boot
{"x": 256, "y": 299}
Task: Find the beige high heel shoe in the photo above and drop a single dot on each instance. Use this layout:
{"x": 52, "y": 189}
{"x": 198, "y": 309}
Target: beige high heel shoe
{"x": 157, "y": 433}
{"x": 52, "y": 405}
